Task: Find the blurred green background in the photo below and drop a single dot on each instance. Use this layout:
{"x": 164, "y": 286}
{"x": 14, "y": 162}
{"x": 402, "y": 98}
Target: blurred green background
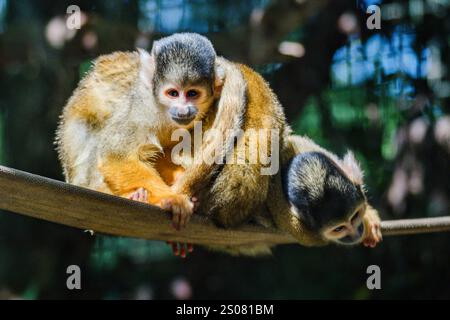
{"x": 383, "y": 93}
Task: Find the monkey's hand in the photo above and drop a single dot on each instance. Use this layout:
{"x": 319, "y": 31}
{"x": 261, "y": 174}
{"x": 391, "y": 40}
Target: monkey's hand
{"x": 179, "y": 249}
{"x": 181, "y": 207}
{"x": 183, "y": 249}
{"x": 372, "y": 224}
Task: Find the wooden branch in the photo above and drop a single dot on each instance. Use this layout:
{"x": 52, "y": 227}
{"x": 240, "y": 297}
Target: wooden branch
{"x": 66, "y": 204}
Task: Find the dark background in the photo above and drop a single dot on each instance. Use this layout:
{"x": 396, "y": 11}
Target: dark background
{"x": 382, "y": 93}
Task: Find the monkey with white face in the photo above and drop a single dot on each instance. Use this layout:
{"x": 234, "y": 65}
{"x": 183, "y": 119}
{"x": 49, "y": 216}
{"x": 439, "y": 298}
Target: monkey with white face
{"x": 186, "y": 79}
{"x": 115, "y": 131}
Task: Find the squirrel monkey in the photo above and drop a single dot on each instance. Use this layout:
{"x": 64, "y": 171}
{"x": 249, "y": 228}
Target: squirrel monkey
{"x": 317, "y": 198}
{"x": 326, "y": 200}
{"x": 115, "y": 131}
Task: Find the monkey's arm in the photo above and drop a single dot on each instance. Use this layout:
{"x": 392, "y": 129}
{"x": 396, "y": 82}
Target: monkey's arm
{"x": 372, "y": 224}
{"x": 228, "y": 120}
{"x": 242, "y": 189}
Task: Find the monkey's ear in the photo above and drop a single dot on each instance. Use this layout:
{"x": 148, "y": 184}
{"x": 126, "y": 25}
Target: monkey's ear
{"x": 352, "y": 168}
{"x": 156, "y": 48}
{"x": 147, "y": 66}
{"x": 219, "y": 79}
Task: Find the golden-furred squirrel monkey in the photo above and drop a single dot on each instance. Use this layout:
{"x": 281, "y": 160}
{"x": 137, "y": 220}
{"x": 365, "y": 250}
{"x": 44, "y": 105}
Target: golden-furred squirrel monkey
{"x": 326, "y": 201}
{"x": 116, "y": 132}
{"x": 317, "y": 198}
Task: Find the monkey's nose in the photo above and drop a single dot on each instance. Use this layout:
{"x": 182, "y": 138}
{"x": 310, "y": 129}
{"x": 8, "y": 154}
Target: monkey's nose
{"x": 183, "y": 112}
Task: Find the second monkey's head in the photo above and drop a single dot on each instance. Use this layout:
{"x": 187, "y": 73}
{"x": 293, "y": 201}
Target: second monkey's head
{"x": 327, "y": 195}
{"x": 185, "y": 80}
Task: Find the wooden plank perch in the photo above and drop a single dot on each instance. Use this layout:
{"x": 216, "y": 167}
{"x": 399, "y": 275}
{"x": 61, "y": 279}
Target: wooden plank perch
{"x": 66, "y": 204}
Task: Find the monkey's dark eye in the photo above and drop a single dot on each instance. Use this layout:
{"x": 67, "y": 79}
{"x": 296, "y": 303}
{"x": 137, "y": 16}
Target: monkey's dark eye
{"x": 172, "y": 93}
{"x": 192, "y": 94}
{"x": 338, "y": 229}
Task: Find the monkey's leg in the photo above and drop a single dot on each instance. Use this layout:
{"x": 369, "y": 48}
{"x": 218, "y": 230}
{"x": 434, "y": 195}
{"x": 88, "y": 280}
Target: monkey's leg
{"x": 126, "y": 175}
{"x": 372, "y": 224}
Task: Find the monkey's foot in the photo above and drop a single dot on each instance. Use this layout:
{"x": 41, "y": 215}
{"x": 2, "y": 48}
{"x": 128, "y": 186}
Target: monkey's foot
{"x": 181, "y": 207}
{"x": 181, "y": 249}
{"x": 140, "y": 195}
{"x": 373, "y": 230}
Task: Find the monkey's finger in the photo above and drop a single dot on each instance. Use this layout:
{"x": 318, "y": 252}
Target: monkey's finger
{"x": 373, "y": 241}
{"x": 141, "y": 194}
{"x": 376, "y": 234}
{"x": 185, "y": 219}
{"x": 182, "y": 219}
{"x": 175, "y": 221}
{"x": 380, "y": 235}
{"x": 176, "y": 216}
{"x": 183, "y": 250}
{"x": 165, "y": 204}
{"x": 188, "y": 218}
{"x": 135, "y": 196}
{"x": 368, "y": 243}
{"x": 175, "y": 248}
